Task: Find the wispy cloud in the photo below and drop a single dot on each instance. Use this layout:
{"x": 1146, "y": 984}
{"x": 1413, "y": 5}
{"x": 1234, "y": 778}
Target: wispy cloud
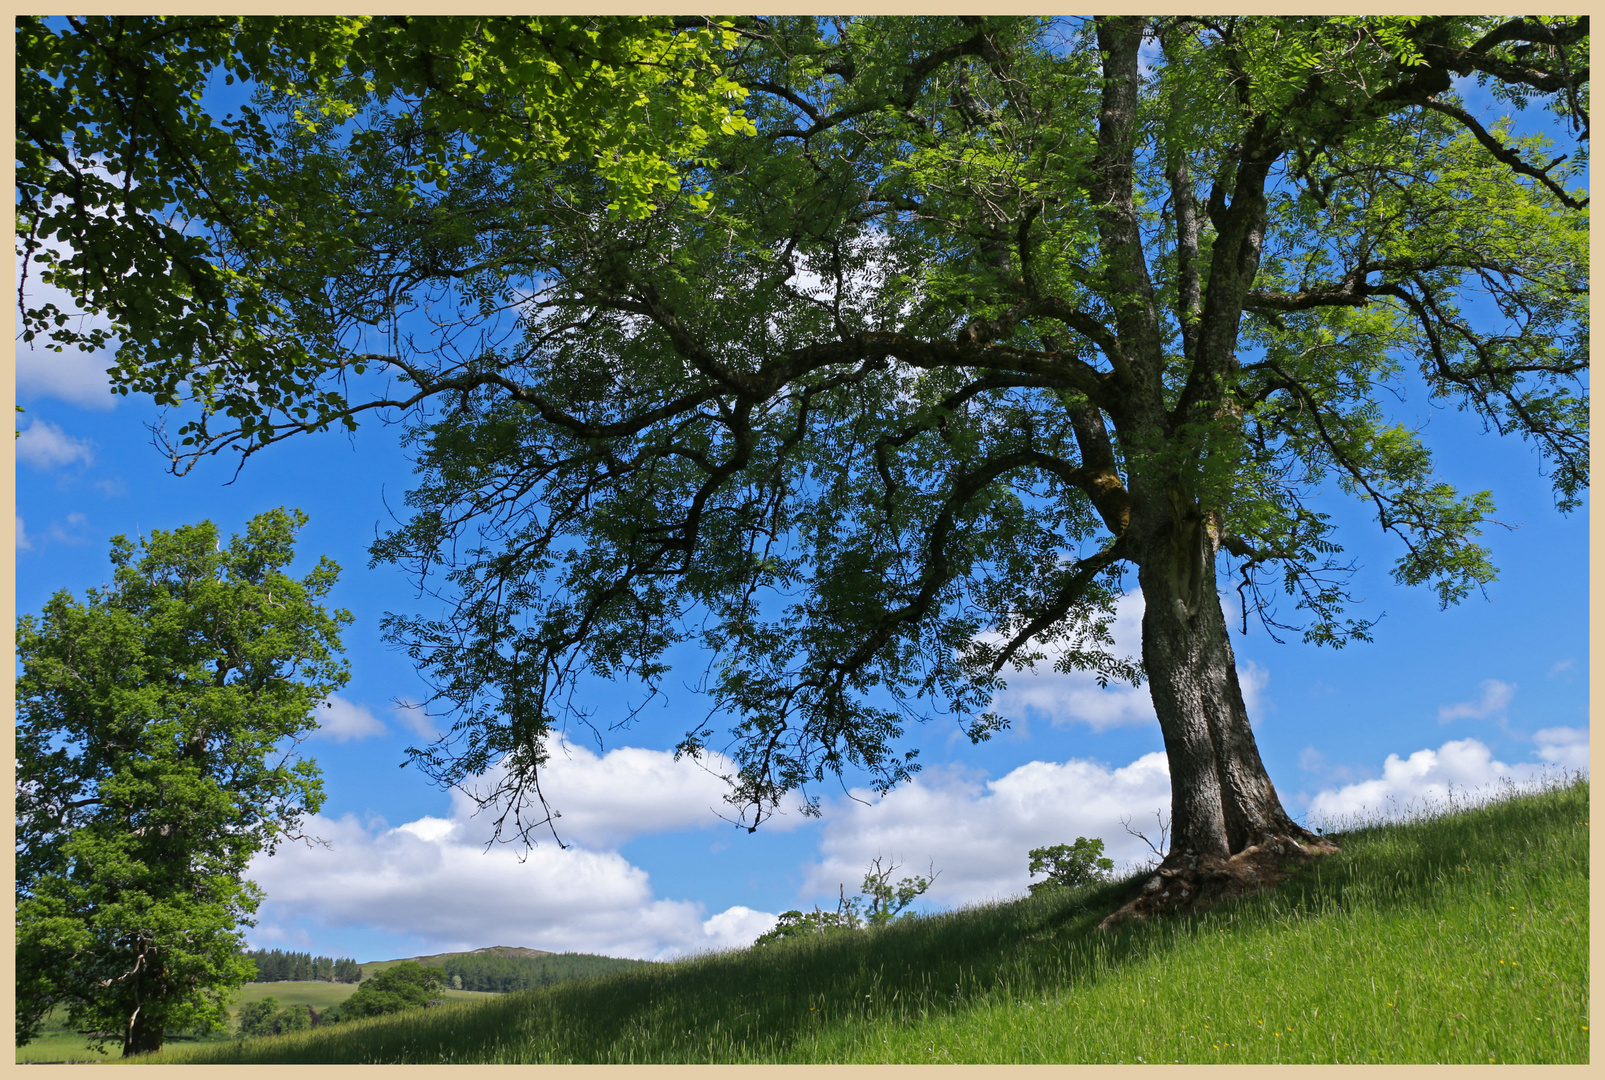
{"x": 45, "y": 446}
{"x": 414, "y": 717}
{"x": 1311, "y": 760}
{"x": 69, "y": 530}
{"x": 341, "y": 721}
{"x": 1563, "y": 746}
{"x": 1496, "y": 696}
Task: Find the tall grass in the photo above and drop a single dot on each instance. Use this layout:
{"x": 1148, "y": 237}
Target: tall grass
{"x": 1456, "y": 937}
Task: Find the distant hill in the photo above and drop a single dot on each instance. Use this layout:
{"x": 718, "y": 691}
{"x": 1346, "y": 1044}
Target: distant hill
{"x": 436, "y": 959}
{"x": 502, "y": 969}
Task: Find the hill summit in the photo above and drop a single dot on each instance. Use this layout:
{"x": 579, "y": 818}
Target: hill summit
{"x": 489, "y": 950}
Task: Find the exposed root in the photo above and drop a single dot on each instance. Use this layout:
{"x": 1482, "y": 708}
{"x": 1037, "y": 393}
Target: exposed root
{"x": 1186, "y": 883}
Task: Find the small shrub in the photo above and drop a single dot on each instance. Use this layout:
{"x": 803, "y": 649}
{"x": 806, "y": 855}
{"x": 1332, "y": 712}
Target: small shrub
{"x": 408, "y": 985}
{"x": 262, "y": 1018}
{"x": 878, "y": 903}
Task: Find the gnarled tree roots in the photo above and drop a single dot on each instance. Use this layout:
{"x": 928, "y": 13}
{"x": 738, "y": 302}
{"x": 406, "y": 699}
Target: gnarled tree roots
{"x": 1186, "y": 883}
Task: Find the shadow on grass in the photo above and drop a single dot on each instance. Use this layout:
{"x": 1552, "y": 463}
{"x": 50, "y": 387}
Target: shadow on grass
{"x": 777, "y": 1002}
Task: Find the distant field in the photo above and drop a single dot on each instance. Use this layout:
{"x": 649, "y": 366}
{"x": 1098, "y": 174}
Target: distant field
{"x": 57, "y": 1047}
{"x": 320, "y": 995}
{"x": 60, "y": 1044}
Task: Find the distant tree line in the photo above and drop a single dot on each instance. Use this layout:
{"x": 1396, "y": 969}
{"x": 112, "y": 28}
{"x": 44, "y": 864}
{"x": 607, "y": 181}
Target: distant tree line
{"x": 503, "y": 974}
{"x": 275, "y": 965}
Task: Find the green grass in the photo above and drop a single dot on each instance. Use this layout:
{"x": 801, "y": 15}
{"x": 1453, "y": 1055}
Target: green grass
{"x": 59, "y": 1043}
{"x": 319, "y": 995}
{"x": 56, "y": 1046}
{"x": 1456, "y": 938}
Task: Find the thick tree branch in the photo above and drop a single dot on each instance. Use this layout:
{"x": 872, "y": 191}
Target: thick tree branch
{"x": 1075, "y": 585}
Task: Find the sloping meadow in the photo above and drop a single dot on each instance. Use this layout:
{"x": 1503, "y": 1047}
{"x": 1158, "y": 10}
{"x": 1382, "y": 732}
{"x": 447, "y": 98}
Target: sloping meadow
{"x": 1455, "y": 937}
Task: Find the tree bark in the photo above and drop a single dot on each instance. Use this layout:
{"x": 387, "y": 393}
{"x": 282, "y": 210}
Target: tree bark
{"x": 1222, "y": 800}
{"x": 144, "y": 1035}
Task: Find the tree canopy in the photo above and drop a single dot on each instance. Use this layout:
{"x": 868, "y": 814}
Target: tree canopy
{"x": 1069, "y": 866}
{"x": 139, "y": 202}
{"x": 156, "y": 729}
{"x": 981, "y": 318}
{"x": 407, "y": 985}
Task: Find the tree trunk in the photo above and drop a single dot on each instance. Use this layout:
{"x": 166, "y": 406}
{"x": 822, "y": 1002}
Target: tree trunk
{"x": 1229, "y": 834}
{"x": 1222, "y": 801}
{"x": 144, "y": 1034}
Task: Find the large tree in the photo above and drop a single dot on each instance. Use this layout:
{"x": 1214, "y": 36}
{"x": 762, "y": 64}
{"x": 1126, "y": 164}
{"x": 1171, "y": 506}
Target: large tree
{"x": 157, "y": 723}
{"x": 141, "y": 202}
{"x": 989, "y": 317}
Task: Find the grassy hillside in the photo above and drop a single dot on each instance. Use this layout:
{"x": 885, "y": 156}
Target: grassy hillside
{"x": 1463, "y": 938}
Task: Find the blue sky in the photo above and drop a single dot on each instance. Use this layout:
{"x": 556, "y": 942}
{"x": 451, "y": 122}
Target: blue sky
{"x": 1495, "y": 687}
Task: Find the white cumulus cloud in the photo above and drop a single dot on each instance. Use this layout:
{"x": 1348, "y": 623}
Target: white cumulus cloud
{"x": 1496, "y": 696}
{"x": 78, "y": 378}
{"x": 736, "y": 927}
{"x": 45, "y": 446}
{"x": 71, "y": 375}
{"x": 1464, "y": 769}
{"x": 432, "y": 878}
{"x": 607, "y": 799}
{"x": 1075, "y": 697}
{"x": 341, "y": 721}
{"x": 978, "y": 833}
